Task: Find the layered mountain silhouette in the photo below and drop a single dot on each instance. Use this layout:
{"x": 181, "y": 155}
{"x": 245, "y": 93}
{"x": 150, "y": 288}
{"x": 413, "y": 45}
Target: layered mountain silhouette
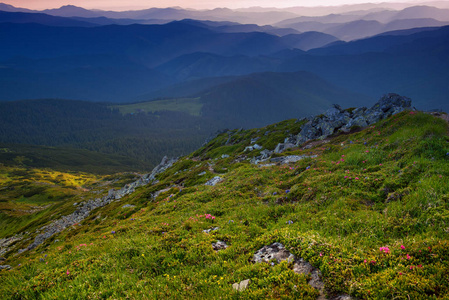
{"x": 76, "y": 53}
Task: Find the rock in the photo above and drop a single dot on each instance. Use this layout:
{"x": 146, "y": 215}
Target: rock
{"x": 214, "y": 181}
{"x": 335, "y": 118}
{"x": 202, "y": 173}
{"x": 254, "y": 140}
{"x": 264, "y": 154}
{"x": 128, "y": 206}
{"x": 333, "y": 111}
{"x": 275, "y": 251}
{"x": 219, "y": 245}
{"x": 163, "y": 165}
{"x": 5, "y": 267}
{"x": 283, "y": 146}
{"x": 224, "y": 156}
{"x": 242, "y": 285}
{"x": 211, "y": 229}
{"x": 290, "y": 158}
{"x": 253, "y": 147}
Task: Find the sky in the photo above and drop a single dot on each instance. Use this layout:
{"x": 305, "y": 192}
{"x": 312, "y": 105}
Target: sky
{"x": 197, "y": 4}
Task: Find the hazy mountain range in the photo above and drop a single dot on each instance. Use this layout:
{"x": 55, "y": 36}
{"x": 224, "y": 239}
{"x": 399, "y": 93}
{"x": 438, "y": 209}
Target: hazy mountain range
{"x": 74, "y": 53}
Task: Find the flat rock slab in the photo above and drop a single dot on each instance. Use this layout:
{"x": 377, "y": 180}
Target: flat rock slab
{"x": 241, "y": 286}
{"x": 214, "y": 181}
{"x": 275, "y": 251}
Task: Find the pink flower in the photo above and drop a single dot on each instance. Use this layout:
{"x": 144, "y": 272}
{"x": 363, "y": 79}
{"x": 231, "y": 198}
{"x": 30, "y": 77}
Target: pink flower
{"x": 67, "y": 272}
{"x": 402, "y": 247}
{"x": 408, "y": 256}
{"x": 356, "y": 178}
{"x": 321, "y": 254}
{"x": 364, "y": 261}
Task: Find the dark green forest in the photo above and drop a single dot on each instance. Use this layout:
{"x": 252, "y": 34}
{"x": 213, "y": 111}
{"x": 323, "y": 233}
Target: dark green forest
{"x": 145, "y": 137}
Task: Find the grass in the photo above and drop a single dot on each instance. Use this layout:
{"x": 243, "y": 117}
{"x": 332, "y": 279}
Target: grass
{"x": 384, "y": 186}
{"x": 67, "y": 159}
{"x": 191, "y": 106}
{"x": 30, "y": 198}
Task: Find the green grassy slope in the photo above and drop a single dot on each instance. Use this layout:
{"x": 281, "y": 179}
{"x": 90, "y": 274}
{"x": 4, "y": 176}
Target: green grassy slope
{"x": 68, "y": 159}
{"x": 192, "y": 106}
{"x": 384, "y": 186}
{"x": 31, "y": 197}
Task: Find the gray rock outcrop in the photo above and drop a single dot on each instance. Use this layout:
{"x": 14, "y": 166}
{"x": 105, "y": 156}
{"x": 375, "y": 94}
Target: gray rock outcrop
{"x": 214, "y": 181}
{"x": 335, "y": 118}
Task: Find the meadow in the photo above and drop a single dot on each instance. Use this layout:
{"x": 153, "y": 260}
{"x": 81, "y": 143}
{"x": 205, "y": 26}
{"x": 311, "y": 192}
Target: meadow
{"x": 368, "y": 208}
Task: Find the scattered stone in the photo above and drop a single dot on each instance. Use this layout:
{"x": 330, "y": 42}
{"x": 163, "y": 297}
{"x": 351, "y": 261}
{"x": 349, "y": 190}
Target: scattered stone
{"x": 254, "y": 140}
{"x": 6, "y": 243}
{"x": 5, "y": 267}
{"x": 253, "y": 147}
{"x": 224, "y": 156}
{"x": 275, "y": 251}
{"x": 128, "y": 206}
{"x": 290, "y": 158}
{"x": 281, "y": 147}
{"x": 202, "y": 173}
{"x": 242, "y": 285}
{"x": 219, "y": 245}
{"x": 214, "y": 181}
{"x": 211, "y": 229}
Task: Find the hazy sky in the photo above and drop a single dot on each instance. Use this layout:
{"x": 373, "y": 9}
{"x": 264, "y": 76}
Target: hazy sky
{"x": 198, "y": 4}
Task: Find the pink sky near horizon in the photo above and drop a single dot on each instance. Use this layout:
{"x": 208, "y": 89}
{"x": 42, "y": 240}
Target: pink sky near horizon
{"x": 197, "y": 4}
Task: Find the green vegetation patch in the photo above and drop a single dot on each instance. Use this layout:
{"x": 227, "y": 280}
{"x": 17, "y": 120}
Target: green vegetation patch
{"x": 370, "y": 211}
{"x": 191, "y": 106}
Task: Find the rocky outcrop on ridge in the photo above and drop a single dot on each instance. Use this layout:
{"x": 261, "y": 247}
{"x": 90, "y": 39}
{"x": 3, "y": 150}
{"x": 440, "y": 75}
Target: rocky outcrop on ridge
{"x": 336, "y": 119}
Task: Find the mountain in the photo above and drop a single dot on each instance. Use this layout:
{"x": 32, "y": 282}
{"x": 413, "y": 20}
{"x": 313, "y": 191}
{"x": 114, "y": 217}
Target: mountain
{"x": 71, "y": 11}
{"x": 261, "y": 98}
{"x": 309, "y": 40}
{"x": 355, "y": 26}
{"x": 108, "y": 78}
{"x": 44, "y": 19}
{"x": 344, "y": 210}
{"x": 10, "y": 8}
{"x": 177, "y": 13}
{"x": 413, "y": 64}
{"x": 202, "y": 65}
